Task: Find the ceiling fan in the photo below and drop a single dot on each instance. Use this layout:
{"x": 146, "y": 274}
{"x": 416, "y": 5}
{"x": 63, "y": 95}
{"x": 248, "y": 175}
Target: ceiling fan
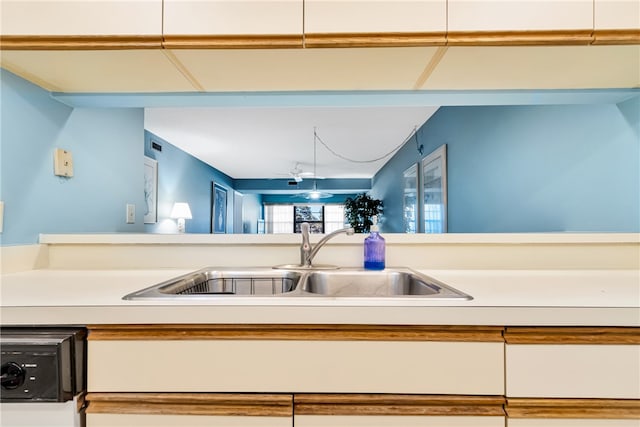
{"x": 298, "y": 174}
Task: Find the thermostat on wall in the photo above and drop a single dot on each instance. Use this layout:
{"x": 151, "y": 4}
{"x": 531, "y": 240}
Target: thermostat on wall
{"x": 62, "y": 163}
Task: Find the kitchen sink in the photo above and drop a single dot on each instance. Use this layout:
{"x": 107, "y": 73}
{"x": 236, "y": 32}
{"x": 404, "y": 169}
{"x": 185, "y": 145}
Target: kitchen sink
{"x": 209, "y": 282}
{"x": 348, "y": 282}
{"x": 385, "y": 283}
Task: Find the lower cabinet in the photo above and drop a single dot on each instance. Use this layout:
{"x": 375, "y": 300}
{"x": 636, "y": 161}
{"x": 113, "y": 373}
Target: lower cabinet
{"x": 362, "y": 376}
{"x": 573, "y": 362}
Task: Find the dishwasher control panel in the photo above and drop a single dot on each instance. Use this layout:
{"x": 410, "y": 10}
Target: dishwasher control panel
{"x": 39, "y": 366}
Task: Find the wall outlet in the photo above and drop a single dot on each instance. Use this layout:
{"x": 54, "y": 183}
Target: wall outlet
{"x": 131, "y": 213}
{"x": 62, "y": 163}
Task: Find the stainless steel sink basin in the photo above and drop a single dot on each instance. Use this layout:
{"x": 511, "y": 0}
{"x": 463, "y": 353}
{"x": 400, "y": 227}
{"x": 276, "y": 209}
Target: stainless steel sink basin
{"x": 209, "y": 282}
{"x": 386, "y": 283}
{"x": 247, "y": 282}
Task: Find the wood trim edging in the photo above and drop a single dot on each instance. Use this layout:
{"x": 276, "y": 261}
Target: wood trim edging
{"x": 388, "y": 404}
{"x": 613, "y": 37}
{"x": 80, "y": 42}
{"x": 253, "y": 405}
{"x": 573, "y": 408}
{"x": 395, "y": 39}
{"x": 297, "y": 332}
{"x": 322, "y": 40}
{"x": 574, "y": 335}
{"x": 240, "y": 41}
{"x": 520, "y": 38}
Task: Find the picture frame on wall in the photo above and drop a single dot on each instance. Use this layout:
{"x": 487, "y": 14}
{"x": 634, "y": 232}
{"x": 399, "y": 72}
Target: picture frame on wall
{"x": 150, "y": 190}
{"x": 218, "y": 209}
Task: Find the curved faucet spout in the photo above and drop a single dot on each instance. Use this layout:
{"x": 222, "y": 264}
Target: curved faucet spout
{"x": 307, "y": 252}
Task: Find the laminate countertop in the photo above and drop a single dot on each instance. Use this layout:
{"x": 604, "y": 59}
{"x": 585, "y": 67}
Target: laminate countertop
{"x": 500, "y": 297}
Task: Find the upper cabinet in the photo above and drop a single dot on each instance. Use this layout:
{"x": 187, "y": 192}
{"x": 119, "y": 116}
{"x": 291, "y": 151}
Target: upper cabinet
{"x": 617, "y": 14}
{"x": 520, "y": 15}
{"x": 81, "y": 18}
{"x": 233, "y": 23}
{"x": 418, "y": 19}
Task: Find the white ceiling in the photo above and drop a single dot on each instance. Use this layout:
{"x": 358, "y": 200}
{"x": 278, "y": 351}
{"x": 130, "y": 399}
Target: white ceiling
{"x": 268, "y": 142}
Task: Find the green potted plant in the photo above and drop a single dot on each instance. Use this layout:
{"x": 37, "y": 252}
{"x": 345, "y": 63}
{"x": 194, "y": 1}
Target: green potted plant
{"x": 359, "y": 211}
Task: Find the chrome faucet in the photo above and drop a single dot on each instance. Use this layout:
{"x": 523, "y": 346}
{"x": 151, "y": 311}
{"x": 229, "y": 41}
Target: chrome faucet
{"x": 307, "y": 252}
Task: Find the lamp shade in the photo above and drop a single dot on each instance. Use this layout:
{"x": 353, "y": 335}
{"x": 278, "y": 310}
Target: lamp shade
{"x": 181, "y": 210}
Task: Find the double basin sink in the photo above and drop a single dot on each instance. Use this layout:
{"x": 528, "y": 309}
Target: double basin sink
{"x": 262, "y": 282}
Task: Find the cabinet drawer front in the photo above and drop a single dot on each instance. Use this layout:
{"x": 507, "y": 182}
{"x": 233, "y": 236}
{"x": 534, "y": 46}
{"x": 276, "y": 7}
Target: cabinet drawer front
{"x": 581, "y": 371}
{"x": 396, "y": 421}
{"x": 145, "y": 420}
{"x": 296, "y": 366}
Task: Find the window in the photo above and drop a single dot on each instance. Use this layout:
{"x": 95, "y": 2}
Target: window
{"x": 312, "y": 214}
{"x": 278, "y": 218}
{"x": 287, "y": 218}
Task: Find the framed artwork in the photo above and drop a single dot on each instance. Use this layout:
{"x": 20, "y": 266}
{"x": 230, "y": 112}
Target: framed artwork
{"x": 434, "y": 190}
{"x": 150, "y": 190}
{"x": 218, "y": 208}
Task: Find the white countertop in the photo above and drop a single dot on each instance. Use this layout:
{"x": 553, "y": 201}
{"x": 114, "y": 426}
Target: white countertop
{"x": 501, "y": 297}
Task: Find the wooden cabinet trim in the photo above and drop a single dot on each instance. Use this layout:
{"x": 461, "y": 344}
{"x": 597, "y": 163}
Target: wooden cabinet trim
{"x": 297, "y": 332}
{"x": 79, "y": 42}
{"x": 389, "y": 404}
{"x": 631, "y": 36}
{"x": 577, "y": 335}
{"x": 573, "y": 408}
{"x": 336, "y": 40}
{"x": 520, "y": 38}
{"x": 232, "y": 41}
{"x": 322, "y": 40}
{"x": 263, "y": 405}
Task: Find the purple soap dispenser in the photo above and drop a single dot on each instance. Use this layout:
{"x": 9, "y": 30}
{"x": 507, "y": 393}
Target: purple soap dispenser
{"x": 374, "y": 248}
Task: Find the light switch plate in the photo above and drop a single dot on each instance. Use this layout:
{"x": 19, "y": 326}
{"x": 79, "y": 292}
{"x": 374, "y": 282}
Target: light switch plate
{"x": 131, "y": 213}
{"x": 1, "y": 215}
{"x": 62, "y": 163}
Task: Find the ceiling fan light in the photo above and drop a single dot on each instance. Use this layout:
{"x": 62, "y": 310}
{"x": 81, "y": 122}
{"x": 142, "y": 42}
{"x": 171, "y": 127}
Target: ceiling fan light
{"x": 316, "y": 195}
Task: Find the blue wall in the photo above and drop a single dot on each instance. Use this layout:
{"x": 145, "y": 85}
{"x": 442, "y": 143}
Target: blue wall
{"x": 106, "y": 145}
{"x": 529, "y": 168}
{"x": 183, "y": 178}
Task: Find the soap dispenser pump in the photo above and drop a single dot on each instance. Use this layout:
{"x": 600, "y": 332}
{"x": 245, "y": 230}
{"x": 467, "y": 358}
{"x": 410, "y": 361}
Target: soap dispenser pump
{"x": 374, "y": 248}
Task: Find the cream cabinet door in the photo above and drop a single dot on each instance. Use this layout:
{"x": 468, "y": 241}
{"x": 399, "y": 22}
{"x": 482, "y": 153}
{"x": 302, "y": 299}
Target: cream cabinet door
{"x": 397, "y": 421}
{"x": 617, "y": 14}
{"x": 375, "y": 16}
{"x": 232, "y": 17}
{"x": 275, "y": 366}
{"x": 81, "y": 18}
{"x": 519, "y": 15}
{"x": 573, "y": 370}
{"x": 154, "y": 420}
